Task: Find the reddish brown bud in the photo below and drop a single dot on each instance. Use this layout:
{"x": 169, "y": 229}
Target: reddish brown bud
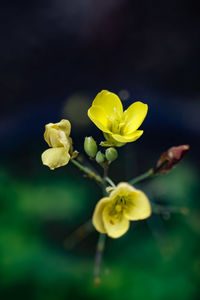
{"x": 170, "y": 158}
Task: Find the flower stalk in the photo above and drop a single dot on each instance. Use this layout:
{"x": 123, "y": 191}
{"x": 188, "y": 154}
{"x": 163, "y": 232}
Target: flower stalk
{"x": 109, "y": 180}
{"x": 98, "y": 258}
{"x": 160, "y": 209}
{"x": 87, "y": 171}
{"x": 149, "y": 173}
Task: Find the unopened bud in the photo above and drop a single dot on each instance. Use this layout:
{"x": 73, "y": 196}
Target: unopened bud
{"x": 90, "y": 146}
{"x": 109, "y": 189}
{"x": 170, "y": 158}
{"x": 75, "y": 154}
{"x": 100, "y": 157}
{"x": 111, "y": 154}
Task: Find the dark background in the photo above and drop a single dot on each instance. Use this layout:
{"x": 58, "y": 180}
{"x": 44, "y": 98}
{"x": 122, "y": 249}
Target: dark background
{"x": 55, "y": 56}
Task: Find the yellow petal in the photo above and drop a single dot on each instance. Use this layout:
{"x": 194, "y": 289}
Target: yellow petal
{"x": 110, "y": 103}
{"x": 56, "y": 135}
{"x": 138, "y": 207}
{"x": 134, "y": 116}
{"x": 65, "y": 126}
{"x": 55, "y": 157}
{"x": 110, "y": 141}
{"x": 65, "y": 141}
{"x": 51, "y": 136}
{"x": 97, "y": 215}
{"x": 128, "y": 138}
{"x": 115, "y": 225}
{"x": 123, "y": 188}
{"x": 98, "y": 117}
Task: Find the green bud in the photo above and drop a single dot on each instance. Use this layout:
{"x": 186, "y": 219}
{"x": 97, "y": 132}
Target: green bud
{"x": 90, "y": 146}
{"x": 100, "y": 157}
{"x": 111, "y": 154}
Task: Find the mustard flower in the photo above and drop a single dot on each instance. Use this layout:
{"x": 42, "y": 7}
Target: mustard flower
{"x": 112, "y": 214}
{"x": 119, "y": 127}
{"x": 57, "y": 137}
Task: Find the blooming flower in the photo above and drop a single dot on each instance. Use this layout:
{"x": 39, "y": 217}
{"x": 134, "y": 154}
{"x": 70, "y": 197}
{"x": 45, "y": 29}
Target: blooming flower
{"x": 57, "y": 137}
{"x": 119, "y": 127}
{"x": 112, "y": 214}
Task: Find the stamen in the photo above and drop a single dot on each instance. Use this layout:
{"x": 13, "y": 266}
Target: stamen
{"x": 118, "y": 208}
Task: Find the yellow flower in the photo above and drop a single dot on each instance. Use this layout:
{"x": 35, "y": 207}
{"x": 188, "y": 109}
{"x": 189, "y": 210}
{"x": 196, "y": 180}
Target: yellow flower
{"x": 57, "y": 137}
{"x": 118, "y": 127}
{"x": 112, "y": 214}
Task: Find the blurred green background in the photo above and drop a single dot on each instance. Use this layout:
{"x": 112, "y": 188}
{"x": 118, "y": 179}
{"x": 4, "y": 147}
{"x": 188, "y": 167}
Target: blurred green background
{"x": 55, "y": 56}
{"x": 40, "y": 259}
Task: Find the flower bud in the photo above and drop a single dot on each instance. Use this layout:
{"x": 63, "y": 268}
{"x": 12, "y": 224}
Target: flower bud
{"x": 100, "y": 157}
{"x": 90, "y": 146}
{"x": 75, "y": 154}
{"x": 170, "y": 158}
{"x": 111, "y": 154}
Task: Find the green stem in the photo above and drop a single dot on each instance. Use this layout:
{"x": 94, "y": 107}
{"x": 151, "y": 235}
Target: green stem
{"x": 78, "y": 235}
{"x": 149, "y": 173}
{"x": 98, "y": 257}
{"x": 160, "y": 209}
{"x": 105, "y": 169}
{"x": 87, "y": 171}
{"x": 109, "y": 180}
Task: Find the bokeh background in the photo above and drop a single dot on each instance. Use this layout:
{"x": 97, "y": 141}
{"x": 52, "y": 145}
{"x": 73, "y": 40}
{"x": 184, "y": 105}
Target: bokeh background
{"x": 54, "y": 58}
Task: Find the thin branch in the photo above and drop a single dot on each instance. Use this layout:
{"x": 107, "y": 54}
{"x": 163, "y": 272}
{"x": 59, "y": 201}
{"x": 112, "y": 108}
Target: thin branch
{"x": 98, "y": 258}
{"x": 109, "y": 180}
{"x": 149, "y": 173}
{"x": 87, "y": 171}
{"x": 78, "y": 235}
{"x": 161, "y": 209}
{"x": 105, "y": 169}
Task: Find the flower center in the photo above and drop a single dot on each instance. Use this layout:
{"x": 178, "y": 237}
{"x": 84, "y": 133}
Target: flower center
{"x": 117, "y": 208}
{"x": 120, "y": 204}
{"x": 116, "y": 122}
{"x": 116, "y": 125}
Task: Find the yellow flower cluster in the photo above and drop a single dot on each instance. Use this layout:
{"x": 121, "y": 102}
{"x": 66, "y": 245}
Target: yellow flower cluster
{"x": 119, "y": 127}
{"x": 112, "y": 214}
